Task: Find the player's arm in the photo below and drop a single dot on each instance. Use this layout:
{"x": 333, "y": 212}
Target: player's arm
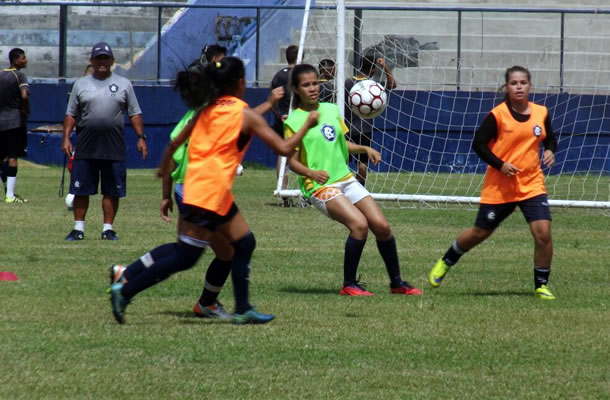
{"x": 390, "y": 82}
{"x": 550, "y": 144}
{"x": 66, "y": 144}
{"x": 299, "y": 168}
{"x": 285, "y": 147}
{"x": 138, "y": 127}
{"x": 165, "y": 168}
{"x": 275, "y": 96}
{"x": 25, "y": 102}
{"x": 166, "y": 194}
{"x": 480, "y": 144}
{"x": 374, "y": 155}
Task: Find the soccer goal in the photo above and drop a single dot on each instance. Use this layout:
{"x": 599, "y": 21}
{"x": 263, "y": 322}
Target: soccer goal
{"x": 449, "y": 65}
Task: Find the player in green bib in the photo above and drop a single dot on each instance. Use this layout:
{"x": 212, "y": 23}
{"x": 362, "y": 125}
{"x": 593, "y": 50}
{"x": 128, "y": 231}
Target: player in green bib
{"x": 325, "y": 179}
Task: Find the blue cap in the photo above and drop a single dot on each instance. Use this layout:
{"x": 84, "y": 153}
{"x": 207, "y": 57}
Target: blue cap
{"x": 101, "y": 48}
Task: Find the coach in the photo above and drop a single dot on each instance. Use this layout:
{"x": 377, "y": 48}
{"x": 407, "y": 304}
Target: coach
{"x": 97, "y": 102}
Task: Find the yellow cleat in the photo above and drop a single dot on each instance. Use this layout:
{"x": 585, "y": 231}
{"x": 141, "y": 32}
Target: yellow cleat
{"x": 438, "y": 272}
{"x": 544, "y": 293}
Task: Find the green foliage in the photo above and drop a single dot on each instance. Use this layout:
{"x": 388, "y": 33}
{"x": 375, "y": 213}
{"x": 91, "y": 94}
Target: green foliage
{"x": 481, "y": 335}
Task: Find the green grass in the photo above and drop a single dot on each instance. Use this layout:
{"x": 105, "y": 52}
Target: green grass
{"x": 481, "y": 335}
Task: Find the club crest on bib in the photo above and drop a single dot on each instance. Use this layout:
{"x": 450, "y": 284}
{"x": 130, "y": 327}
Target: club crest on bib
{"x": 328, "y": 131}
{"x": 491, "y": 216}
{"x": 113, "y": 88}
{"x": 537, "y": 131}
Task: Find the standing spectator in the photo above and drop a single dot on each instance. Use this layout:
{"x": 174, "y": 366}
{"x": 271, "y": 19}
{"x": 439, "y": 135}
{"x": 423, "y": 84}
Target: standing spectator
{"x": 14, "y": 112}
{"x": 97, "y": 102}
{"x": 326, "y": 68}
{"x": 361, "y": 130}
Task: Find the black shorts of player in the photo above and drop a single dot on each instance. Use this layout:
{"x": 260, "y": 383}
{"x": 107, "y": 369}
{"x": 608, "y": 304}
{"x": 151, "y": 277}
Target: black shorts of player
{"x": 363, "y": 139}
{"x": 13, "y": 143}
{"x": 86, "y": 174}
{"x": 205, "y": 218}
{"x": 490, "y": 216}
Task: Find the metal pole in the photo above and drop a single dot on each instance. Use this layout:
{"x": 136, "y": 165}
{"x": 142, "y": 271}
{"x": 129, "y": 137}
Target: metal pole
{"x": 63, "y": 39}
{"x": 459, "y": 51}
{"x": 258, "y": 40}
{"x": 357, "y": 39}
{"x": 159, "y": 13}
{"x": 561, "y": 51}
{"x": 340, "y": 62}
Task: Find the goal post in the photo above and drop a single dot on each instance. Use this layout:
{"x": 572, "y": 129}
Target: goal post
{"x": 449, "y": 65}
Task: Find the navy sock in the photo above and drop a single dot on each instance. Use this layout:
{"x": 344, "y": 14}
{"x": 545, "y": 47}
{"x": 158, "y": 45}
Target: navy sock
{"x": 240, "y": 271}
{"x": 147, "y": 260}
{"x": 453, "y": 254}
{"x": 215, "y": 278}
{"x": 183, "y": 258}
{"x": 351, "y": 259}
{"x": 387, "y": 249}
{"x": 3, "y": 172}
{"x": 541, "y": 276}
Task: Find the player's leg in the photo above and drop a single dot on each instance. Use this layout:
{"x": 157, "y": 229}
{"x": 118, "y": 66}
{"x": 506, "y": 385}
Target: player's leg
{"x": 538, "y": 215}
{"x": 14, "y": 151}
{"x": 114, "y": 186}
{"x": 84, "y": 181}
{"x": 386, "y": 243}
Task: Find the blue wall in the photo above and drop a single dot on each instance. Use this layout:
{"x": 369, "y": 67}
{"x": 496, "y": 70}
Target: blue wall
{"x": 433, "y": 138}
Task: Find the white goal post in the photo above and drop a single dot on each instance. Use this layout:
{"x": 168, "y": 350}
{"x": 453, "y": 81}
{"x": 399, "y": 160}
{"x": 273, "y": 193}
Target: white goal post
{"x": 449, "y": 64}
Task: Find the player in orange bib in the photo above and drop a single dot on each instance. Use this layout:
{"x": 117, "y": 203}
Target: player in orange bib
{"x": 218, "y": 135}
{"x": 509, "y": 142}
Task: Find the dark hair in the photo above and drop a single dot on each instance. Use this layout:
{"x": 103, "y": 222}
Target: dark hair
{"x": 14, "y": 54}
{"x": 201, "y": 84}
{"x": 367, "y": 64}
{"x": 325, "y": 68}
{"x": 291, "y": 54}
{"x": 509, "y": 72}
{"x": 212, "y": 50}
{"x": 295, "y": 79}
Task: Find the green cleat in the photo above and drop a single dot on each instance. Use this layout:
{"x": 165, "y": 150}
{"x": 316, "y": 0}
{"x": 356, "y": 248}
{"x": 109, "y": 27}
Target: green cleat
{"x": 544, "y": 293}
{"x": 118, "y": 302}
{"x": 252, "y": 317}
{"x": 437, "y": 273}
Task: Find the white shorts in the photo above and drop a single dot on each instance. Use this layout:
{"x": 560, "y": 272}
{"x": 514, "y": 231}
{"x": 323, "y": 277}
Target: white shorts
{"x": 351, "y": 188}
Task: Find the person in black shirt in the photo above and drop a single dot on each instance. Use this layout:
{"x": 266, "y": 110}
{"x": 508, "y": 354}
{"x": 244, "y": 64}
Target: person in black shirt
{"x": 326, "y": 69}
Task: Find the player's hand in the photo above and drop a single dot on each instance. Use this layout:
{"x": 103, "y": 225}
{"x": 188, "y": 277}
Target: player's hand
{"x": 381, "y": 62}
{"x": 276, "y": 94}
{"x": 143, "y": 148}
{"x": 548, "y": 158}
{"x": 284, "y": 117}
{"x": 66, "y": 147}
{"x": 509, "y": 169}
{"x": 374, "y": 155}
{"x": 319, "y": 176}
{"x": 312, "y": 119}
{"x": 166, "y": 205}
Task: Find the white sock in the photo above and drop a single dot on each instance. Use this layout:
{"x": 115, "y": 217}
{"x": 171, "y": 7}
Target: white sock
{"x": 10, "y": 186}
{"x": 79, "y": 226}
{"x": 107, "y": 227}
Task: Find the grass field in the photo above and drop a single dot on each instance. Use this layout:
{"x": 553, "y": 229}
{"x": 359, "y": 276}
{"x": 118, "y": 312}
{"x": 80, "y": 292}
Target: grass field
{"x": 481, "y": 335}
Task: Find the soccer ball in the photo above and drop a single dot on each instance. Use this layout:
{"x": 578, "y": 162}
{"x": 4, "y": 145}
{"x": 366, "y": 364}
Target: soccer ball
{"x": 367, "y": 99}
{"x": 70, "y": 201}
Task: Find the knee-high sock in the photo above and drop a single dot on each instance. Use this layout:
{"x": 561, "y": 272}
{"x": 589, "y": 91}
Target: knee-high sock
{"x": 240, "y": 271}
{"x": 387, "y": 249}
{"x": 215, "y": 278}
{"x": 183, "y": 258}
{"x": 148, "y": 260}
{"x": 11, "y": 181}
{"x": 351, "y": 259}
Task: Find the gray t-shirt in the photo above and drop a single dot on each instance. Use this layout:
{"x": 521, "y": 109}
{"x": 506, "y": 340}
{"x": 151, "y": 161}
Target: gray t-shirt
{"x": 11, "y": 83}
{"x": 98, "y": 107}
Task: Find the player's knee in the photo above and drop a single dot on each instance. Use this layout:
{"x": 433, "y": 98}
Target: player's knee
{"x": 382, "y": 229}
{"x": 481, "y": 234}
{"x": 359, "y": 229}
{"x": 246, "y": 245}
{"x": 188, "y": 252}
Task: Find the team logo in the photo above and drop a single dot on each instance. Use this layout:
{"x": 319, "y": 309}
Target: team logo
{"x": 537, "y": 131}
{"x": 77, "y": 184}
{"x": 491, "y": 216}
{"x": 328, "y": 131}
{"x": 113, "y": 88}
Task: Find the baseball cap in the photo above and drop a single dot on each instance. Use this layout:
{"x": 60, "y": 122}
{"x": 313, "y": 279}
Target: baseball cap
{"x": 101, "y": 48}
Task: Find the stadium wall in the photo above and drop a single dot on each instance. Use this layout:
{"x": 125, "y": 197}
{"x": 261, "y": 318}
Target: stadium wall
{"x": 428, "y": 136}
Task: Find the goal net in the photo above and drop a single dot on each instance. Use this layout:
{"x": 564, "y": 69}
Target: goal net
{"x": 449, "y": 65}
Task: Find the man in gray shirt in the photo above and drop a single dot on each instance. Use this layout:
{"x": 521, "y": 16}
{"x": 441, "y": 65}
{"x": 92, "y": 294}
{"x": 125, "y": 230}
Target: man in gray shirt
{"x": 14, "y": 112}
{"x": 97, "y": 102}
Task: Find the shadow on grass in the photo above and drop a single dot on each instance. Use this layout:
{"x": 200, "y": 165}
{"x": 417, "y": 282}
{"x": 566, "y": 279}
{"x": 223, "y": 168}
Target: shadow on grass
{"x": 188, "y": 317}
{"x": 498, "y": 293}
{"x": 301, "y": 290}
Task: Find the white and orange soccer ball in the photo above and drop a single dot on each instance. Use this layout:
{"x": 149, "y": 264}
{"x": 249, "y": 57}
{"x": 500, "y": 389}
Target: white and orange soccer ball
{"x": 367, "y": 99}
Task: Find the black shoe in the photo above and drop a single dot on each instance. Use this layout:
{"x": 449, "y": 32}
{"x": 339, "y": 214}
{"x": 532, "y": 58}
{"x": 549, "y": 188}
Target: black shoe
{"x": 109, "y": 235}
{"x": 75, "y": 235}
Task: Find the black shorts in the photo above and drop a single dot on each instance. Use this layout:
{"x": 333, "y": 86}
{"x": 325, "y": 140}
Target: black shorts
{"x": 13, "y": 143}
{"x": 205, "y": 218}
{"x": 363, "y": 139}
{"x": 490, "y": 216}
{"x": 86, "y": 173}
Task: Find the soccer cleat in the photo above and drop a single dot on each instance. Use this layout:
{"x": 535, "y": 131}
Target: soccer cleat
{"x": 354, "y": 289}
{"x": 405, "y": 288}
{"x": 437, "y": 273}
{"x": 109, "y": 235}
{"x": 252, "y": 317}
{"x": 216, "y": 311}
{"x": 544, "y": 293}
{"x": 118, "y": 302}
{"x": 75, "y": 235}
{"x": 15, "y": 199}
{"x": 116, "y": 274}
